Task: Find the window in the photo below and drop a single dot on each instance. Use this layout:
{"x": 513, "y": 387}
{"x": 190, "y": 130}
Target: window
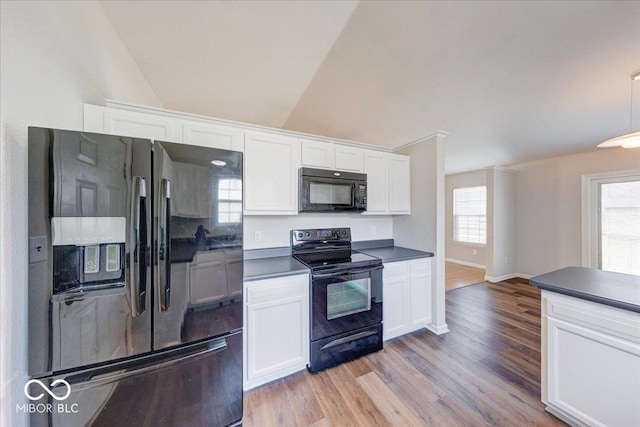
{"x": 470, "y": 215}
{"x": 614, "y": 223}
{"x": 229, "y": 201}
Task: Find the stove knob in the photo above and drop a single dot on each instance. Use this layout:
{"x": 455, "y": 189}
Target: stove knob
{"x": 299, "y": 235}
{"x": 344, "y": 232}
{"x": 308, "y": 234}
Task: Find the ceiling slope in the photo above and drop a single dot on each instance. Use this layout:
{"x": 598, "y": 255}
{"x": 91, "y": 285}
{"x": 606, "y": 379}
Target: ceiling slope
{"x": 509, "y": 81}
{"x": 248, "y": 61}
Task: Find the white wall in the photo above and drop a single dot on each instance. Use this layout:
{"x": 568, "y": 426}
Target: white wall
{"x": 424, "y": 228}
{"x": 501, "y": 224}
{"x": 456, "y": 251}
{"x": 275, "y": 230}
{"x": 548, "y": 206}
{"x": 54, "y": 57}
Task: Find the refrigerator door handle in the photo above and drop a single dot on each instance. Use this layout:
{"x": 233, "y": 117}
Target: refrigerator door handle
{"x": 164, "y": 246}
{"x": 92, "y": 379}
{"x": 139, "y": 225}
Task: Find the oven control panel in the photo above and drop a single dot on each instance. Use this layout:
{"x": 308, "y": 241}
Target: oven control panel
{"x": 320, "y": 234}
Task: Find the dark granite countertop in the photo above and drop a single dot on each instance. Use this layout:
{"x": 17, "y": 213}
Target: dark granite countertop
{"x": 267, "y": 268}
{"x": 604, "y": 287}
{"x": 395, "y": 253}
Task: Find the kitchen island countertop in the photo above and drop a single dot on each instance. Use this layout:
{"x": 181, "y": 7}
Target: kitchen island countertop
{"x": 604, "y": 287}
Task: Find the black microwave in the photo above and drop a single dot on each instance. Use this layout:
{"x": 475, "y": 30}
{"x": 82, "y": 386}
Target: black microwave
{"x": 331, "y": 191}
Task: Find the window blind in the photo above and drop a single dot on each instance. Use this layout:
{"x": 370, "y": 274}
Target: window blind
{"x": 620, "y": 227}
{"x": 470, "y": 215}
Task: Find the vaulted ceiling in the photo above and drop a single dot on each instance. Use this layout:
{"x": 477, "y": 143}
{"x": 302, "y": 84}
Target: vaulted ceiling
{"x": 509, "y": 81}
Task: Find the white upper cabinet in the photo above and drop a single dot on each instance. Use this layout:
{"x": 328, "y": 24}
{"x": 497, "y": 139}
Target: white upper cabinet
{"x": 209, "y": 135}
{"x": 129, "y": 123}
{"x": 317, "y": 154}
{"x": 388, "y": 183}
{"x": 376, "y": 166}
{"x": 348, "y": 159}
{"x": 271, "y": 174}
{"x": 399, "y": 184}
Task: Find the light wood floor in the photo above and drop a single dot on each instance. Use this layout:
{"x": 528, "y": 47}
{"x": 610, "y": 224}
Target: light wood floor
{"x": 457, "y": 276}
{"x": 486, "y": 371}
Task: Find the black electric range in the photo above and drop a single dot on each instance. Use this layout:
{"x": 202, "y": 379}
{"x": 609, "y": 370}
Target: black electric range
{"x": 345, "y": 296}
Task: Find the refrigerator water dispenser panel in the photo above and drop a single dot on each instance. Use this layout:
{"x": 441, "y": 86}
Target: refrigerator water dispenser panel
{"x": 85, "y": 231}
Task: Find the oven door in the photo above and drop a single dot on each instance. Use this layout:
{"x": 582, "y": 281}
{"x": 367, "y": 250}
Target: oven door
{"x": 318, "y": 194}
{"x": 345, "y": 301}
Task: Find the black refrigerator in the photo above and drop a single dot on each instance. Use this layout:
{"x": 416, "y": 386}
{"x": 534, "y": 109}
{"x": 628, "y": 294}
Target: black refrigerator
{"x": 135, "y": 282}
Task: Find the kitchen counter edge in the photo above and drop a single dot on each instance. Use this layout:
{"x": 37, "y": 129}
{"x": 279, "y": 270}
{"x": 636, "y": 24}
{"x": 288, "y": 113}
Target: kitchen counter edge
{"x": 604, "y": 287}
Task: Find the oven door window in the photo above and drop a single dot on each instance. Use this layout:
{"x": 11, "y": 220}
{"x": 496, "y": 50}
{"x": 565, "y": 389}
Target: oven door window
{"x": 345, "y": 298}
{"x": 323, "y": 193}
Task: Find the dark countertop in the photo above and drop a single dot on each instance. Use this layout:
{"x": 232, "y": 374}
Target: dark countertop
{"x": 604, "y": 287}
{"x": 267, "y": 268}
{"x": 395, "y": 253}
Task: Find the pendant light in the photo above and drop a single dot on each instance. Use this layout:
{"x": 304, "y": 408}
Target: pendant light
{"x": 631, "y": 139}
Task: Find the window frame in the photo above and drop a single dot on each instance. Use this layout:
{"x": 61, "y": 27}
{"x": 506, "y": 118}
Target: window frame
{"x": 454, "y": 220}
{"x": 219, "y": 200}
{"x": 591, "y": 235}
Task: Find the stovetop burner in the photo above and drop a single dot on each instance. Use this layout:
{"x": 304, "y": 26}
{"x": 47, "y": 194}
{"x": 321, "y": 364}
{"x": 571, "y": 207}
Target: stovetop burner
{"x": 328, "y": 249}
{"x": 327, "y": 261}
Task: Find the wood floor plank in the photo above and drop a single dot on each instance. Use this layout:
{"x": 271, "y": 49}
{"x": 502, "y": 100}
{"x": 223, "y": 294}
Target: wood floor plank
{"x": 486, "y": 371}
{"x": 394, "y": 410}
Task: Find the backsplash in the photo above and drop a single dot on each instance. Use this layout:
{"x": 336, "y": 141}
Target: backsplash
{"x": 273, "y": 231}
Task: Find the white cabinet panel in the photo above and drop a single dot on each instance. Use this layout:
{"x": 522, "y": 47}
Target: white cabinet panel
{"x": 376, "y": 166}
{"x": 129, "y": 123}
{"x": 395, "y": 296}
{"x": 399, "y": 184}
{"x": 348, "y": 159}
{"x": 318, "y": 155}
{"x": 271, "y": 174}
{"x": 208, "y": 135}
{"x": 276, "y": 329}
{"x": 590, "y": 361}
{"x": 406, "y": 296}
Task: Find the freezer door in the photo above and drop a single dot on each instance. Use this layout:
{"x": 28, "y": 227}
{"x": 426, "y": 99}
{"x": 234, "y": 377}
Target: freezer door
{"x": 196, "y": 386}
{"x": 90, "y": 212}
{"x": 198, "y": 243}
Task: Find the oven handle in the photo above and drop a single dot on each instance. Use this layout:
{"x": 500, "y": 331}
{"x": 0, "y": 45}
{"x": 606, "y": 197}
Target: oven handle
{"x": 349, "y": 338}
{"x": 355, "y": 271}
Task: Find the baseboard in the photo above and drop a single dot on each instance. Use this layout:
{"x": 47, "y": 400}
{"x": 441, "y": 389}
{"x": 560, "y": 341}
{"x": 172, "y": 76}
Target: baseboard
{"x": 465, "y": 263}
{"x": 438, "y": 329}
{"x": 567, "y": 418}
{"x": 507, "y": 277}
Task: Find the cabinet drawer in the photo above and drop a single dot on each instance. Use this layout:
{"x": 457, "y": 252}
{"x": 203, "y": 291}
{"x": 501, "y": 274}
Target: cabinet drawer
{"x": 609, "y": 320}
{"x": 278, "y": 288}
{"x": 420, "y": 266}
{"x": 395, "y": 269}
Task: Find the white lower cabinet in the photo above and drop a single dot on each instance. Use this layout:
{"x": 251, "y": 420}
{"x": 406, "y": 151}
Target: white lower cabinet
{"x": 406, "y": 296}
{"x": 276, "y": 328}
{"x": 590, "y": 362}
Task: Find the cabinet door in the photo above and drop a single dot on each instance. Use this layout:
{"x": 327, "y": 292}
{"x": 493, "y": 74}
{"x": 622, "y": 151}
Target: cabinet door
{"x": 207, "y": 135}
{"x": 395, "y": 313}
{"x": 399, "y": 184}
{"x": 349, "y": 159}
{"x": 271, "y": 174}
{"x": 376, "y": 166}
{"x": 130, "y": 123}
{"x": 318, "y": 155}
{"x": 420, "y": 283}
{"x": 592, "y": 376}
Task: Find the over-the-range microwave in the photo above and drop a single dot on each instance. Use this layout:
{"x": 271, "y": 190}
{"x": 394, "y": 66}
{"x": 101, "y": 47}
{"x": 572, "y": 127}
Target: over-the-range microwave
{"x": 331, "y": 191}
